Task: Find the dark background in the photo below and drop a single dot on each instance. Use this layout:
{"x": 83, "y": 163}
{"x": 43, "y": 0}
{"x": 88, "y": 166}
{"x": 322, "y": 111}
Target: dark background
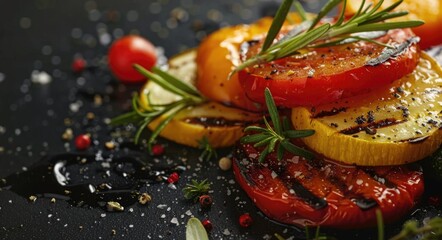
{"x": 46, "y": 35}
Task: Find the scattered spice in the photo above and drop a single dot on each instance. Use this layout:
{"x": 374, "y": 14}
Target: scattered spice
{"x": 98, "y": 100}
{"x": 173, "y": 177}
{"x": 157, "y": 149}
{"x": 144, "y": 198}
{"x": 205, "y": 201}
{"x": 245, "y": 220}
{"x": 67, "y": 135}
{"x": 207, "y": 224}
{"x": 82, "y": 142}
{"x": 32, "y": 198}
{"x": 114, "y": 206}
{"x": 225, "y": 163}
{"x": 90, "y": 116}
{"x": 110, "y": 145}
{"x": 78, "y": 65}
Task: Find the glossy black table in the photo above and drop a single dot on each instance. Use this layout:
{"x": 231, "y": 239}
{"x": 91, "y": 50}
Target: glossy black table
{"x": 45, "y": 36}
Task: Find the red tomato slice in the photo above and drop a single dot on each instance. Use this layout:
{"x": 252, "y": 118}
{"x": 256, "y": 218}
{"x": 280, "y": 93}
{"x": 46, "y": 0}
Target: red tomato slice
{"x": 323, "y": 75}
{"x": 320, "y": 192}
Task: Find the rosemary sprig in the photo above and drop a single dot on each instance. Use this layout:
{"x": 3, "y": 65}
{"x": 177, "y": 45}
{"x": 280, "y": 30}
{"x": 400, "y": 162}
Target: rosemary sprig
{"x": 277, "y": 136}
{"x": 208, "y": 151}
{"x": 195, "y": 189}
{"x": 143, "y": 115}
{"x": 368, "y": 18}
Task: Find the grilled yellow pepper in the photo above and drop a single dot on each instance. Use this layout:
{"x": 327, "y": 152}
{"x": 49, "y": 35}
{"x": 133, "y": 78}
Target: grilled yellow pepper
{"x": 390, "y": 126}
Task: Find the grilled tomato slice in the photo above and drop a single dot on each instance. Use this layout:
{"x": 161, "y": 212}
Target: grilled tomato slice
{"x": 320, "y": 192}
{"x": 322, "y": 75}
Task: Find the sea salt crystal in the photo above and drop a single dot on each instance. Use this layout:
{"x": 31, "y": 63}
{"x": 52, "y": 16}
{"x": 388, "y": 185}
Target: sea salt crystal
{"x": 40, "y": 77}
{"x": 174, "y": 221}
{"x": 226, "y": 232}
{"x": 162, "y": 206}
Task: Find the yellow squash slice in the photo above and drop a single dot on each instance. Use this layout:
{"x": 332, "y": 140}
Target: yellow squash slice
{"x": 394, "y": 125}
{"x": 222, "y": 125}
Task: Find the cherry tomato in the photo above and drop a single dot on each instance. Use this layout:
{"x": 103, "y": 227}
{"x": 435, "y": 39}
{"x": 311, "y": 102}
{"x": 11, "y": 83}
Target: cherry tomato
{"x": 301, "y": 192}
{"x": 131, "y": 50}
{"x": 323, "y": 75}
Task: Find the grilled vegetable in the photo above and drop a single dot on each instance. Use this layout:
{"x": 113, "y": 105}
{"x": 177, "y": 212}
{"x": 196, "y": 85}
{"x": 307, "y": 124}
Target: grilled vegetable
{"x": 428, "y": 10}
{"x": 322, "y": 75}
{"x": 217, "y": 56}
{"x": 321, "y": 192}
{"x": 222, "y": 125}
{"x": 394, "y": 125}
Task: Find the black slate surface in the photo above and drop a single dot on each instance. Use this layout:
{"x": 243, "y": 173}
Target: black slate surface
{"x": 45, "y": 35}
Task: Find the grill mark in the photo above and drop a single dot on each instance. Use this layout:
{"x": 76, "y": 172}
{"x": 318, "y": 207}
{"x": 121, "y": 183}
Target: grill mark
{"x": 376, "y": 177}
{"x": 217, "y": 122}
{"x": 414, "y": 140}
{"x": 370, "y": 127}
{"x": 305, "y": 194}
{"x": 362, "y": 202}
{"x": 332, "y": 112}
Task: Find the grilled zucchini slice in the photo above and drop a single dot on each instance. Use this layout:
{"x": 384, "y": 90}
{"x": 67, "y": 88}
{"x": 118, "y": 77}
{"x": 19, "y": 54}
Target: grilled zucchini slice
{"x": 394, "y": 125}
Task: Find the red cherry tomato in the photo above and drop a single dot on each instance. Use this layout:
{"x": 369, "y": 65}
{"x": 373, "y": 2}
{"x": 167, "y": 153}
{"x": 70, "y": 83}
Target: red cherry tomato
{"x": 127, "y": 51}
{"x": 301, "y": 192}
{"x": 324, "y": 75}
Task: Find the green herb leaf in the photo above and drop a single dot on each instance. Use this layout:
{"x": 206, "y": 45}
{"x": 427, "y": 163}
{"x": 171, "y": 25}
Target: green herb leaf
{"x": 297, "y": 150}
{"x": 145, "y": 115}
{"x": 278, "y": 138}
{"x": 301, "y": 11}
{"x": 208, "y": 150}
{"x": 380, "y": 222}
{"x": 195, "y": 189}
{"x": 277, "y": 23}
{"x": 324, "y": 11}
{"x": 273, "y": 111}
{"x": 195, "y": 230}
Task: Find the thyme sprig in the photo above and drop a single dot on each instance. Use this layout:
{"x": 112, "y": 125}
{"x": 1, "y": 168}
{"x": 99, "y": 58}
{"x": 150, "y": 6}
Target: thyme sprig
{"x": 196, "y": 188}
{"x": 430, "y": 230}
{"x": 144, "y": 115}
{"x": 277, "y": 136}
{"x": 208, "y": 151}
{"x": 368, "y": 18}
